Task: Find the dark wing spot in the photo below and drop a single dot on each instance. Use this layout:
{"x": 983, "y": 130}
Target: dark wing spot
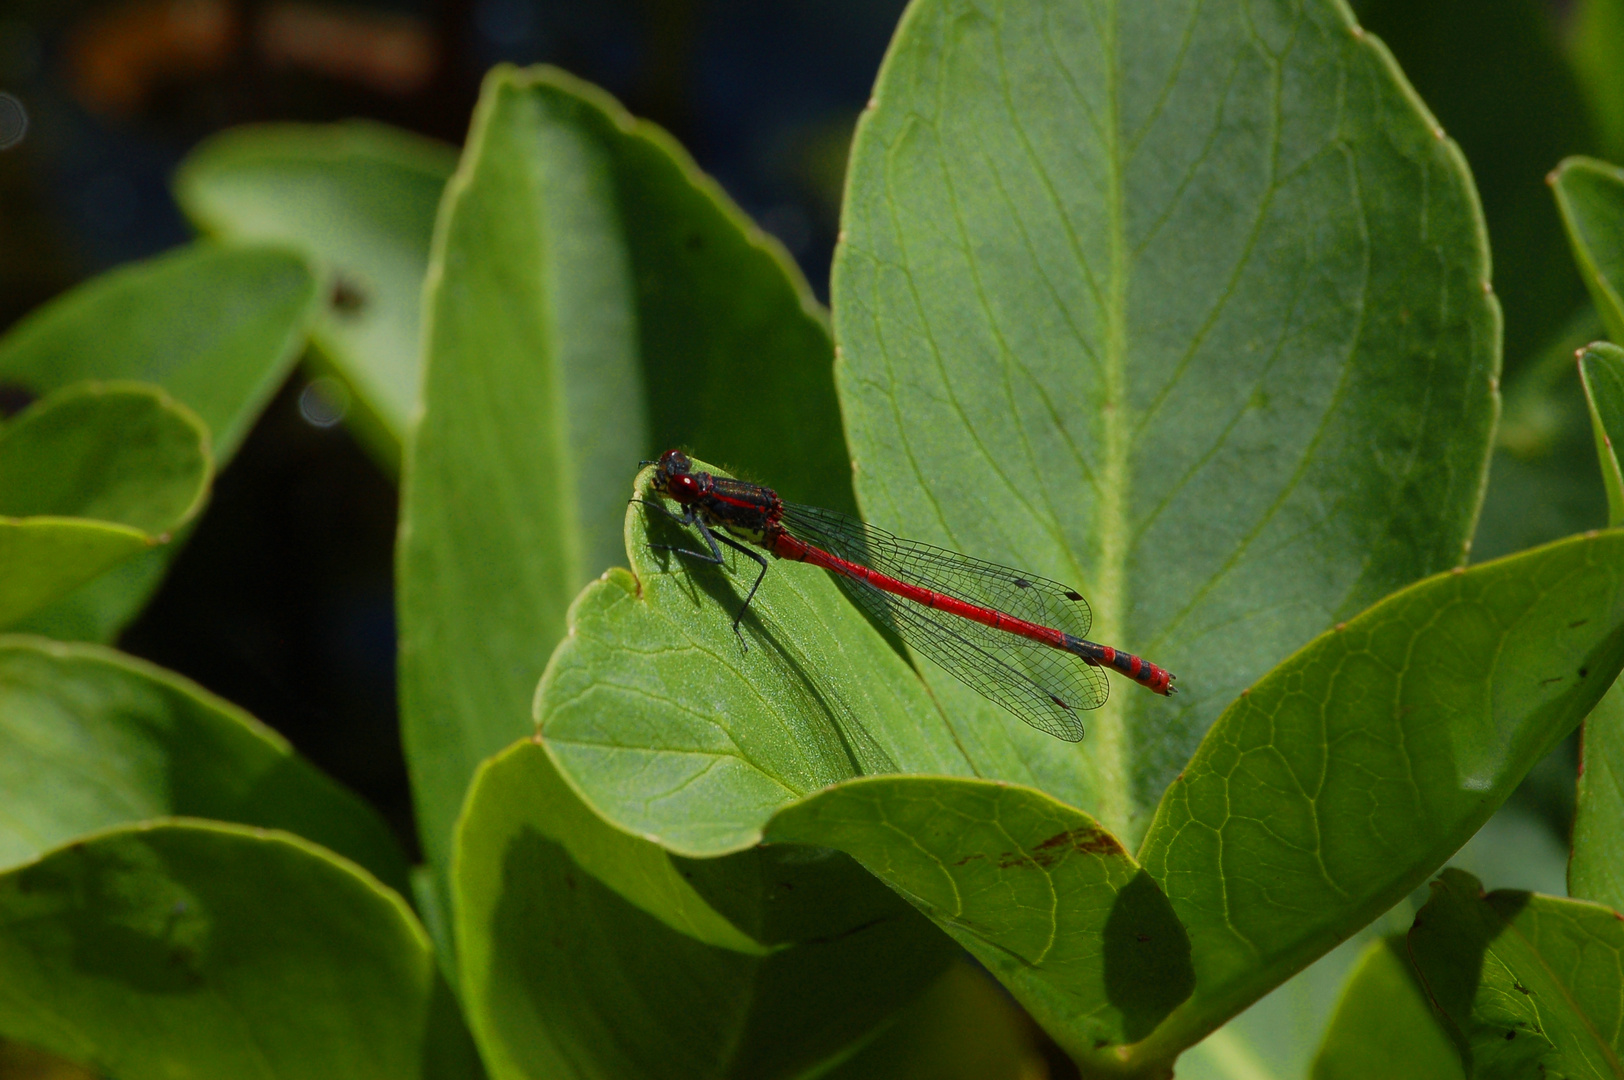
{"x": 1060, "y": 703}
{"x": 1022, "y": 583}
{"x": 1070, "y": 595}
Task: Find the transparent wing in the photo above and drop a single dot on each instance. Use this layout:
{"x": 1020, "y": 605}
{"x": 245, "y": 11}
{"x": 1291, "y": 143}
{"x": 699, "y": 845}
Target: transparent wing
{"x": 1025, "y": 596}
{"x": 1043, "y": 686}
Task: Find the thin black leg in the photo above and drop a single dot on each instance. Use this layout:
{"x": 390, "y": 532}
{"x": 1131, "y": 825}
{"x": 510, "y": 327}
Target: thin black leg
{"x": 715, "y": 556}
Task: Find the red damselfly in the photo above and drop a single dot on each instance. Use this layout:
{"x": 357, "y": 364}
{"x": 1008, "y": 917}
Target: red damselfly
{"x": 1013, "y": 637}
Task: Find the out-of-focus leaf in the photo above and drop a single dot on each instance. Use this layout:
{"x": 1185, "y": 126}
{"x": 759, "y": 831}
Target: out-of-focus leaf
{"x": 962, "y": 1028}
{"x": 1493, "y": 73}
{"x": 1596, "y": 869}
{"x": 1530, "y": 984}
{"x": 217, "y": 327}
{"x": 199, "y": 949}
{"x": 563, "y": 975}
{"x": 1354, "y": 769}
{"x": 581, "y": 257}
{"x": 1384, "y": 1025}
{"x": 1590, "y": 195}
{"x": 1144, "y": 302}
{"x": 1595, "y": 46}
{"x": 1543, "y": 481}
{"x": 359, "y": 198}
{"x": 91, "y": 476}
{"x": 1601, "y": 368}
{"x": 91, "y": 738}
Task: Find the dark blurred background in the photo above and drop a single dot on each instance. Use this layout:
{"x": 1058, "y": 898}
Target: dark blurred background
{"x": 281, "y": 601}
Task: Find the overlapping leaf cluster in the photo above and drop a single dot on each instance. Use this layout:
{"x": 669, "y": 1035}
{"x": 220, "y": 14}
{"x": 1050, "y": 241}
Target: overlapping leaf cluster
{"x": 1193, "y": 315}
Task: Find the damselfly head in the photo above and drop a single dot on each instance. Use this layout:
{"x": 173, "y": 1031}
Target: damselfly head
{"x": 672, "y": 476}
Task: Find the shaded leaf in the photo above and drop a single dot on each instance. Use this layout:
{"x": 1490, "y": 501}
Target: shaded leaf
{"x": 580, "y": 258}
{"x": 1601, "y": 368}
{"x": 91, "y": 738}
{"x": 1596, "y": 869}
{"x": 962, "y": 1028}
{"x": 201, "y": 949}
{"x": 359, "y": 198}
{"x": 1037, "y": 892}
{"x": 1594, "y": 38}
{"x": 1384, "y": 1025}
{"x": 1166, "y": 305}
{"x": 1355, "y": 768}
{"x": 91, "y": 476}
{"x": 1590, "y": 195}
{"x": 562, "y": 975}
{"x": 218, "y": 328}
{"x": 1544, "y": 483}
{"x": 1529, "y": 983}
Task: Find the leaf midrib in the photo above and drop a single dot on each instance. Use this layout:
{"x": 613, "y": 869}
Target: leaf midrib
{"x": 1113, "y": 797}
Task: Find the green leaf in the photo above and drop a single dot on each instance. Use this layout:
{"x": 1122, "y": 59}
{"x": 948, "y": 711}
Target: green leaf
{"x": 563, "y": 974}
{"x": 962, "y": 1028}
{"x": 1495, "y": 77}
{"x": 1544, "y": 482}
{"x": 90, "y": 476}
{"x": 200, "y": 949}
{"x": 218, "y": 328}
{"x": 1529, "y": 983}
{"x": 673, "y": 729}
{"x": 520, "y": 789}
{"x": 1353, "y": 770}
{"x": 1037, "y": 892}
{"x": 91, "y": 739}
{"x": 359, "y": 199}
{"x": 1596, "y": 868}
{"x": 1384, "y": 1025}
{"x": 1595, "y": 34}
{"x": 1601, "y": 368}
{"x": 580, "y": 257}
{"x": 1190, "y": 313}
{"x": 1590, "y": 195}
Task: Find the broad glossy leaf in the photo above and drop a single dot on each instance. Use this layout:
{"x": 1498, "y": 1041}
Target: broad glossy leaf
{"x": 1494, "y": 75}
{"x": 674, "y": 729}
{"x": 1590, "y": 195}
{"x": 91, "y": 476}
{"x": 91, "y": 738}
{"x": 218, "y": 328}
{"x": 359, "y": 199}
{"x": 580, "y": 258}
{"x": 200, "y": 949}
{"x": 1355, "y": 768}
{"x": 1384, "y": 1025}
{"x": 1185, "y": 306}
{"x": 1601, "y": 367}
{"x": 1281, "y": 1035}
{"x": 563, "y": 975}
{"x": 1037, "y": 892}
{"x": 1529, "y": 983}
